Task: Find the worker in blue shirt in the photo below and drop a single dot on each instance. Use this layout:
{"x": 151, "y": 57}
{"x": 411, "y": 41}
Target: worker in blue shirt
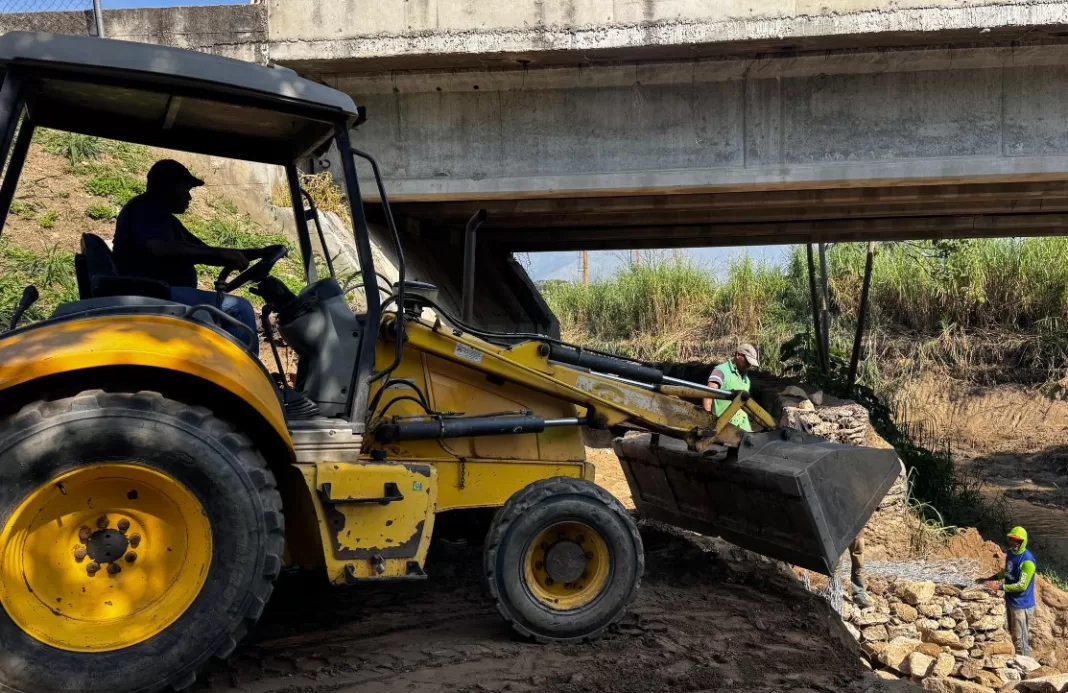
{"x": 1018, "y": 581}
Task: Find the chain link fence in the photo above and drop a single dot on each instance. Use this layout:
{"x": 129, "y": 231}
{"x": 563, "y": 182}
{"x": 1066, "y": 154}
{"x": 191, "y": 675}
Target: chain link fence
{"x": 75, "y": 17}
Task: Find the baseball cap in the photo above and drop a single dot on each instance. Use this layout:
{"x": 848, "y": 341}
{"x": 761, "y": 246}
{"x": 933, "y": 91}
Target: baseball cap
{"x": 170, "y": 172}
{"x": 750, "y": 353}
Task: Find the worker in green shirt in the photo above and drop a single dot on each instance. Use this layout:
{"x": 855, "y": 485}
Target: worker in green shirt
{"x": 733, "y": 375}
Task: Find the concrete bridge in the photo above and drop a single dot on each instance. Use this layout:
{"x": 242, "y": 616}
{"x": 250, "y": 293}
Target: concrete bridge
{"x": 656, "y": 123}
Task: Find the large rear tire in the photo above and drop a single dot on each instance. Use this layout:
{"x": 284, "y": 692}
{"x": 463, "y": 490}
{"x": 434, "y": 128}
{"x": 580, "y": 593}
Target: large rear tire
{"x": 140, "y": 537}
{"x": 564, "y": 560}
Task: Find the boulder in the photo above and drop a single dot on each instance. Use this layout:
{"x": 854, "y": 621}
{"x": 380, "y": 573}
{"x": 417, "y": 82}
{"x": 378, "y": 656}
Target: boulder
{"x": 852, "y": 630}
{"x": 939, "y": 685}
{"x": 930, "y": 610}
{"x": 967, "y": 642}
{"x": 1024, "y": 663}
{"x": 894, "y": 654}
{"x": 886, "y": 675}
{"x": 942, "y": 638}
{"x": 906, "y": 613}
{"x": 927, "y": 624}
{"x": 947, "y": 591}
{"x": 969, "y": 670}
{"x": 998, "y": 648}
{"x": 1010, "y": 675}
{"x": 1041, "y": 673}
{"x": 915, "y": 593}
{"x": 974, "y": 594}
{"x": 973, "y": 611}
{"x": 874, "y": 633}
{"x": 869, "y": 617}
{"x": 919, "y": 665}
{"x": 1046, "y": 684}
{"x": 905, "y": 630}
{"x": 996, "y": 661}
{"x": 989, "y": 679}
{"x": 986, "y": 623}
{"x": 930, "y": 649}
{"x": 944, "y": 665}
{"x": 946, "y": 623}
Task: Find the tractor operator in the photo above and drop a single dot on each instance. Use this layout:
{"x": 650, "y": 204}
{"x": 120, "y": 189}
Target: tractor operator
{"x": 733, "y": 375}
{"x": 151, "y": 242}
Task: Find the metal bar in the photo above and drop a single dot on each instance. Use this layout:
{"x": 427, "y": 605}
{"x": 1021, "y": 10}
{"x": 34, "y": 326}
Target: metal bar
{"x": 365, "y": 365}
{"x": 98, "y": 19}
{"x": 862, "y": 313}
{"x": 470, "y": 231}
{"x": 725, "y": 418}
{"x": 570, "y": 421}
{"x": 319, "y": 230}
{"x": 14, "y": 169}
{"x": 307, "y": 255}
{"x": 815, "y": 306}
{"x": 824, "y": 312}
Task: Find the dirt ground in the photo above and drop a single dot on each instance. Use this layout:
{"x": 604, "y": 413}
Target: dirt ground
{"x": 709, "y": 617}
{"x": 704, "y": 621}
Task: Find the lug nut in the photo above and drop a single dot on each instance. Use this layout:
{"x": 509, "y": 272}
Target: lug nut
{"x": 79, "y": 554}
{"x": 589, "y": 555}
{"x": 538, "y": 565}
{"x": 114, "y": 568}
{"x": 102, "y": 522}
{"x": 93, "y": 568}
{"x": 135, "y": 539}
{"x": 131, "y": 557}
{"x": 84, "y": 533}
{"x": 549, "y": 581}
{"x": 124, "y": 525}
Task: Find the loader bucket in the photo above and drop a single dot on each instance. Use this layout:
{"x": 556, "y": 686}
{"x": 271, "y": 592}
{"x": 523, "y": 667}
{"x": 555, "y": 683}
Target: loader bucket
{"x": 783, "y": 494}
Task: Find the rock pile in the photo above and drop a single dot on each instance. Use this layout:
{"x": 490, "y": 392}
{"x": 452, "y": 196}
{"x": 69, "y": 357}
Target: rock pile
{"x": 838, "y": 420}
{"x": 952, "y": 639}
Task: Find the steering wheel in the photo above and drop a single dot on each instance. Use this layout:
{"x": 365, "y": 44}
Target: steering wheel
{"x": 254, "y": 274}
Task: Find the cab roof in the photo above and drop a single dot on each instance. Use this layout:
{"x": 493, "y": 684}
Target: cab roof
{"x": 173, "y": 98}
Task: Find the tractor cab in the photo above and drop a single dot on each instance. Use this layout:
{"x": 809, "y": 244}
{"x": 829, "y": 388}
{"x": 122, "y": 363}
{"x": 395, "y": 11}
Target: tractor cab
{"x": 194, "y": 102}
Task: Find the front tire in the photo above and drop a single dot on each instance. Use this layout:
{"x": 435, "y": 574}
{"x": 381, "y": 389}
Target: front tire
{"x": 141, "y": 536}
{"x": 563, "y": 560}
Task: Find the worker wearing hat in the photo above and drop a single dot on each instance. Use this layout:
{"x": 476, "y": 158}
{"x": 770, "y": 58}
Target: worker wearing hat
{"x": 151, "y": 242}
{"x": 733, "y": 375}
{"x": 1018, "y": 581}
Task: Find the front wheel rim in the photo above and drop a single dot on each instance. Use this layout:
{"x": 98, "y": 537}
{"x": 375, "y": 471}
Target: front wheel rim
{"x": 567, "y": 566}
{"x": 104, "y": 557}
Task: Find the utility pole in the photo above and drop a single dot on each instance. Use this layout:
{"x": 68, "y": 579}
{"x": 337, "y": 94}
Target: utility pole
{"x": 585, "y": 268}
{"x": 638, "y": 258}
{"x": 98, "y": 18}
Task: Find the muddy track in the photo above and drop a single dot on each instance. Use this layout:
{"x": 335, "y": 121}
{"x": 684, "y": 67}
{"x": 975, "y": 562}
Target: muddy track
{"x": 708, "y": 618}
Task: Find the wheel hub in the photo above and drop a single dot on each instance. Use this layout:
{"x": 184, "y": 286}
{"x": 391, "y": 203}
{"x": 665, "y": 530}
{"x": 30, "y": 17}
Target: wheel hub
{"x": 565, "y": 561}
{"x": 107, "y": 545}
{"x": 103, "y": 557}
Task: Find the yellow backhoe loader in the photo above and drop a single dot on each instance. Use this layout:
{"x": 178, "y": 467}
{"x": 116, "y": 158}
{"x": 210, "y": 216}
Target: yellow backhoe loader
{"x": 155, "y": 477}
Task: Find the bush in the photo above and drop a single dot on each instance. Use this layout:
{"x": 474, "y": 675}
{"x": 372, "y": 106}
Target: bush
{"x": 101, "y": 212}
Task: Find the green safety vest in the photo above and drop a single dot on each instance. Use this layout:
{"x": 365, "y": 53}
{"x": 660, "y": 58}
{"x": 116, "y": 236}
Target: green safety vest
{"x": 733, "y": 380}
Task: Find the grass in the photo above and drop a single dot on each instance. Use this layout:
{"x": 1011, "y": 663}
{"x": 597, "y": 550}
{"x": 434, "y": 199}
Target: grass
{"x": 48, "y": 219}
{"x": 101, "y": 212}
{"x": 73, "y": 147}
{"x": 117, "y": 186}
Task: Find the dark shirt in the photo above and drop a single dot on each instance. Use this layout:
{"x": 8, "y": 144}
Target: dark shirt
{"x": 144, "y": 219}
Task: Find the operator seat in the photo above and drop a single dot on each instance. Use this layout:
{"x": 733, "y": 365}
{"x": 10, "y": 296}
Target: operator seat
{"x": 98, "y": 276}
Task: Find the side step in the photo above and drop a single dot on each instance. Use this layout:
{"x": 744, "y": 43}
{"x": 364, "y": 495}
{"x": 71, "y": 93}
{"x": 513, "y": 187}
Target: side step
{"x": 783, "y": 494}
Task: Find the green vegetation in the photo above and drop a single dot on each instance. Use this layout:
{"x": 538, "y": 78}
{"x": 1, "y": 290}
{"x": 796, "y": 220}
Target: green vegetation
{"x": 101, "y": 212}
{"x": 72, "y": 147}
{"x": 52, "y": 272}
{"x": 48, "y": 219}
{"x": 117, "y": 186}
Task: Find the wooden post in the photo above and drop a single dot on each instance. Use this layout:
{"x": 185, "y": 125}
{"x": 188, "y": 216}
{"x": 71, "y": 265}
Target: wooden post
{"x": 825, "y": 313}
{"x": 862, "y": 313}
{"x": 585, "y": 268}
{"x": 815, "y": 306}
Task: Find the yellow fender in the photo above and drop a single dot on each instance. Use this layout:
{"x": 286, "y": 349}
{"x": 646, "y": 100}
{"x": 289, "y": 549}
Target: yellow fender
{"x": 153, "y": 341}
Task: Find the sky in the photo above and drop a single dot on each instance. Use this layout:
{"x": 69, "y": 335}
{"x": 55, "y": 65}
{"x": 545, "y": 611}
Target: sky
{"x": 605, "y": 263}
